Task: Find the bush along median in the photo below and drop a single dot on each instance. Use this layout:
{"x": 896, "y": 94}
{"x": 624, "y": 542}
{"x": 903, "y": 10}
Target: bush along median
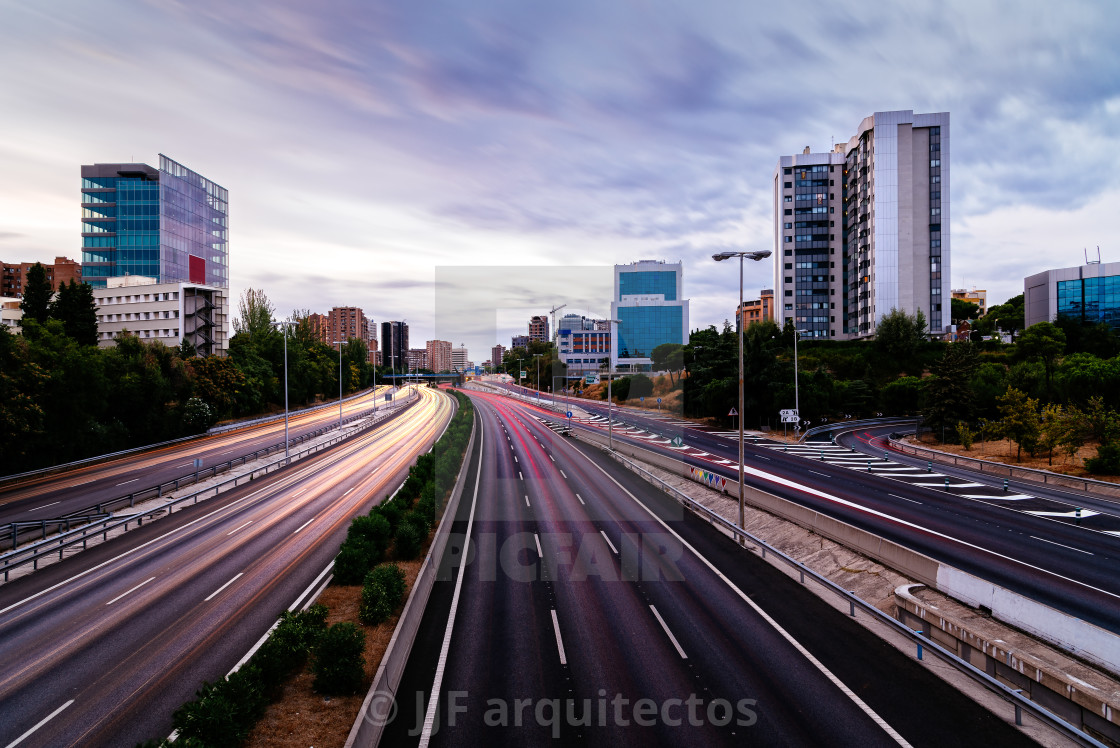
{"x": 379, "y": 554}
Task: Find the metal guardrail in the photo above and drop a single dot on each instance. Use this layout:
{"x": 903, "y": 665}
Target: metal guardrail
{"x": 921, "y": 640}
{"x": 156, "y": 491}
{"x": 845, "y": 425}
{"x": 58, "y": 544}
{"x": 16, "y": 477}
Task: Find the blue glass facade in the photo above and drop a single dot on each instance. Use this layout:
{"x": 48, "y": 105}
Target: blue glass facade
{"x": 140, "y": 221}
{"x": 1091, "y": 299}
{"x": 648, "y": 283}
{"x": 644, "y": 328}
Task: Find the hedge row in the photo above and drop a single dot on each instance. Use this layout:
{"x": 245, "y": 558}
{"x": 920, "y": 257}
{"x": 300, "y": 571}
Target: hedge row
{"x": 397, "y": 527}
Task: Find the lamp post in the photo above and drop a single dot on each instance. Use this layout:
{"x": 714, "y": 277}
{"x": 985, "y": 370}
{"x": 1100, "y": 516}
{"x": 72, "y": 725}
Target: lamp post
{"x": 796, "y": 397}
{"x": 518, "y": 373}
{"x": 537, "y": 356}
{"x": 340, "y": 343}
{"x": 610, "y": 380}
{"x": 757, "y": 255}
{"x": 284, "y": 328}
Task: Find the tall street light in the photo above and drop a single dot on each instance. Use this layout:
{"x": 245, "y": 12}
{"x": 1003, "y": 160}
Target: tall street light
{"x": 537, "y": 356}
{"x": 758, "y": 255}
{"x": 610, "y": 379}
{"x": 284, "y": 328}
{"x": 340, "y": 343}
{"x": 519, "y": 374}
{"x": 796, "y": 398}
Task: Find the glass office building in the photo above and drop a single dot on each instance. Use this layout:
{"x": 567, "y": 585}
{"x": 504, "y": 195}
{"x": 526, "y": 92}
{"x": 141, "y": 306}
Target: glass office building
{"x": 649, "y": 310}
{"x": 1090, "y": 293}
{"x": 169, "y": 223}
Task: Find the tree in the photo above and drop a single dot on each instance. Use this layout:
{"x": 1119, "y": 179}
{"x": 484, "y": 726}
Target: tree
{"x": 948, "y": 393}
{"x": 1052, "y": 429}
{"x": 254, "y": 316}
{"x": 1007, "y": 317}
{"x": 668, "y": 357}
{"x": 36, "y": 294}
{"x": 899, "y": 334}
{"x": 1020, "y": 420}
{"x": 962, "y": 310}
{"x": 1042, "y": 342}
{"x": 75, "y": 308}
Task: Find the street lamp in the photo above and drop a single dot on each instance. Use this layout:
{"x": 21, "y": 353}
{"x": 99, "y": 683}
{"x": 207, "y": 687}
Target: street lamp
{"x": 519, "y": 375}
{"x": 610, "y": 380}
{"x": 340, "y": 344}
{"x": 537, "y": 356}
{"x": 757, "y": 255}
{"x": 796, "y": 398}
{"x": 284, "y": 326}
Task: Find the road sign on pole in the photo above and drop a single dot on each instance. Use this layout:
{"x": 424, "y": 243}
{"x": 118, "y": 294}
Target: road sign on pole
{"x": 733, "y": 412}
{"x": 791, "y": 418}
{"x": 788, "y": 412}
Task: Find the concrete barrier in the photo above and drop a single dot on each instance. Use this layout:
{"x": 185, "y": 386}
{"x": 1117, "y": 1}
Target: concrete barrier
{"x": 1067, "y": 633}
{"x": 369, "y": 724}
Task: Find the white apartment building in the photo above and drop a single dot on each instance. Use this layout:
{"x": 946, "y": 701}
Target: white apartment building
{"x": 169, "y": 312}
{"x": 864, "y": 229}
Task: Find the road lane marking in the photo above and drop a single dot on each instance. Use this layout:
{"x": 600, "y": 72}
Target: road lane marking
{"x": 904, "y": 498}
{"x": 604, "y": 534}
{"x": 519, "y": 475}
{"x": 39, "y": 724}
{"x": 1051, "y": 542}
{"x": 762, "y": 613}
{"x": 348, "y": 492}
{"x": 563, "y": 474}
{"x": 581, "y": 499}
{"x": 441, "y": 664}
{"x": 814, "y": 472}
{"x": 305, "y": 524}
{"x": 526, "y": 500}
{"x": 551, "y": 458}
{"x": 227, "y": 584}
{"x": 44, "y": 506}
{"x": 515, "y": 459}
{"x": 537, "y": 540}
{"x": 670, "y": 633}
{"x": 231, "y": 532}
{"x": 559, "y": 641}
{"x": 128, "y": 481}
{"x": 118, "y": 597}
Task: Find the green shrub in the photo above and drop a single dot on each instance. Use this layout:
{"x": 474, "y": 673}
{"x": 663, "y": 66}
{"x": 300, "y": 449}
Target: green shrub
{"x": 354, "y": 559}
{"x": 390, "y": 510}
{"x": 409, "y": 539}
{"x": 382, "y": 592}
{"x": 1107, "y": 461}
{"x": 289, "y": 644}
{"x": 337, "y": 665}
{"x": 223, "y": 713}
{"x": 374, "y": 529}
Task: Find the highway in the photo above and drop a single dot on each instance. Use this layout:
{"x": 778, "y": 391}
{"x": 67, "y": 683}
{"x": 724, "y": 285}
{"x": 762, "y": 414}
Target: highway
{"x": 1062, "y": 565}
{"x": 54, "y": 495}
{"x": 99, "y": 650}
{"x": 594, "y": 610}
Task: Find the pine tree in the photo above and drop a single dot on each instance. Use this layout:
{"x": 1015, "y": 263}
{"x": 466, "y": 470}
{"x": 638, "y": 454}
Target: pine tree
{"x": 75, "y": 308}
{"x": 36, "y": 294}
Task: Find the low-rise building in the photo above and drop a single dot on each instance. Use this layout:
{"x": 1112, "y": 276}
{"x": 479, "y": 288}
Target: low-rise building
{"x": 168, "y": 312}
{"x": 60, "y": 272}
{"x": 977, "y": 296}
{"x": 757, "y": 310}
{"x": 1090, "y": 293}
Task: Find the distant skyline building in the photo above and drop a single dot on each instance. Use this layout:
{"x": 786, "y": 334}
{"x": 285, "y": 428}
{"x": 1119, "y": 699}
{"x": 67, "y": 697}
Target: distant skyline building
{"x": 864, "y": 229}
{"x": 649, "y": 304}
{"x": 977, "y": 296}
{"x": 417, "y": 359}
{"x": 59, "y": 273}
{"x": 519, "y": 341}
{"x": 460, "y": 359}
{"x": 394, "y": 344}
{"x": 439, "y": 355}
{"x": 1088, "y": 293}
{"x": 757, "y": 310}
{"x": 538, "y": 327}
{"x": 169, "y": 223}
{"x": 497, "y": 353}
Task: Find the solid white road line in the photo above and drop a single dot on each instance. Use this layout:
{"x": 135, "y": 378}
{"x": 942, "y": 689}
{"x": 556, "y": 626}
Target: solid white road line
{"x": 305, "y": 524}
{"x": 44, "y": 506}
{"x": 581, "y": 499}
{"x": 128, "y": 481}
{"x": 670, "y": 633}
{"x": 39, "y": 724}
{"x": 441, "y": 664}
{"x": 231, "y": 532}
{"x": 559, "y": 641}
{"x": 227, "y": 584}
{"x": 1051, "y": 542}
{"x": 762, "y": 613}
{"x": 118, "y": 597}
{"x": 604, "y": 534}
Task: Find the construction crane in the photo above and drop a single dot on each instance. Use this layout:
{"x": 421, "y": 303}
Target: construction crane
{"x": 553, "y": 311}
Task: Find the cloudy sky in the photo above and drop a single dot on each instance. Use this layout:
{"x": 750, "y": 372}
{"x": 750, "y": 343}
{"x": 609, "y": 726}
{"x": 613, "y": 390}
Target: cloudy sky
{"x": 370, "y": 147}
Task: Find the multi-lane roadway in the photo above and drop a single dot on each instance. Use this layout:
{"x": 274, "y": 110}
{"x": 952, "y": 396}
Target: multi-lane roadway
{"x": 100, "y": 649}
{"x": 594, "y": 610}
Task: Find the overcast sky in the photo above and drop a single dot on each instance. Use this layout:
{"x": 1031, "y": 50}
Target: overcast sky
{"x": 369, "y": 147}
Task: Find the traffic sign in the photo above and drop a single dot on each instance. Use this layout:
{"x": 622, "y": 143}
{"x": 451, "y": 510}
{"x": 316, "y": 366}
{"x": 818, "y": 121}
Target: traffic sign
{"x": 733, "y": 412}
{"x": 569, "y": 414}
{"x": 677, "y": 441}
{"x": 790, "y": 418}
{"x": 641, "y": 399}
{"x": 788, "y": 412}
{"x": 659, "y": 401}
